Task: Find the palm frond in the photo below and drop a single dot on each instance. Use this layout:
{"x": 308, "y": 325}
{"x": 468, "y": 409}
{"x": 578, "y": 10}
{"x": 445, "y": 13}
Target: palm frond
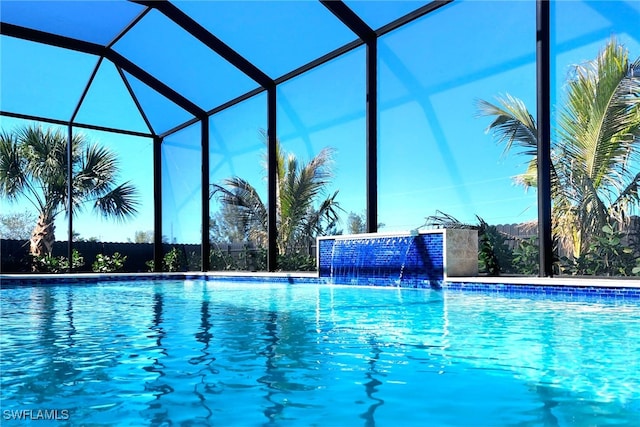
{"x": 513, "y": 125}
{"x": 325, "y": 216}
{"x": 13, "y": 176}
{"x": 34, "y": 164}
{"x": 98, "y": 169}
{"x": 600, "y": 121}
{"x": 628, "y": 198}
{"x": 280, "y": 156}
{"x": 622, "y": 122}
{"x": 530, "y": 177}
{"x": 288, "y": 187}
{"x": 119, "y": 203}
{"x": 239, "y": 194}
{"x": 45, "y": 152}
{"x": 329, "y": 212}
{"x": 445, "y": 220}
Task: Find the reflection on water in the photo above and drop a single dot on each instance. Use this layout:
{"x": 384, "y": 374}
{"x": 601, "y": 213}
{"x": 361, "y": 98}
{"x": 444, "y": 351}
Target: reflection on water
{"x": 372, "y": 383}
{"x": 204, "y": 353}
{"x": 273, "y": 378}
{"x": 158, "y": 387}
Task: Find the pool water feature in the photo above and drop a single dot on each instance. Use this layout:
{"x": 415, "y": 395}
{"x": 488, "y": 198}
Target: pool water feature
{"x": 387, "y": 259}
{"x": 410, "y": 259}
{"x": 195, "y": 352}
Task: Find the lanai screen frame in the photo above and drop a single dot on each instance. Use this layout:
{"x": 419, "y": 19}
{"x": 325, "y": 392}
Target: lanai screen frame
{"x": 366, "y": 36}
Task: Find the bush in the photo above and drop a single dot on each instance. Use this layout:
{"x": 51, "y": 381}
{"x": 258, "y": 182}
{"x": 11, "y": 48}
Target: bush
{"x": 108, "y": 264}
{"x": 51, "y": 264}
{"x": 249, "y": 259}
{"x": 173, "y": 261}
{"x": 605, "y": 257}
{"x": 494, "y": 255}
{"x": 193, "y": 261}
{"x": 220, "y": 260}
{"x": 526, "y": 257}
{"x": 296, "y": 262}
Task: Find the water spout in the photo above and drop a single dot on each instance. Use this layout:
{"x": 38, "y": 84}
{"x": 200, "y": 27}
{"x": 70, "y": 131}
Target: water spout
{"x": 406, "y": 255}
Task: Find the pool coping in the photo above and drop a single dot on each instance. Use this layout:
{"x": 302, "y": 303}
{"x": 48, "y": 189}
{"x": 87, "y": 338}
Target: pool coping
{"x": 531, "y": 281}
{"x": 573, "y": 288}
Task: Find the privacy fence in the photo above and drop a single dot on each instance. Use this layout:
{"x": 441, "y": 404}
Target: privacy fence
{"x": 515, "y": 233}
{"x": 224, "y": 256}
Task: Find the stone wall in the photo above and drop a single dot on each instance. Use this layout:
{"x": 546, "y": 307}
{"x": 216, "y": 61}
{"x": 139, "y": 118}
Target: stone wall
{"x": 460, "y": 252}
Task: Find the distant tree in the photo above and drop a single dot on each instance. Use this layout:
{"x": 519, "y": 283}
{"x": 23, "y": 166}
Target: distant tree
{"x": 356, "y": 223}
{"x": 17, "y": 225}
{"x": 78, "y": 238}
{"x": 87, "y": 239}
{"x": 143, "y": 236}
{"x": 224, "y": 228}
{"x": 33, "y": 166}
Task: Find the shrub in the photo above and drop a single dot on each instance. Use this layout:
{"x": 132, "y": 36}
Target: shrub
{"x": 296, "y": 262}
{"x": 605, "y": 257}
{"x": 108, "y": 264}
{"x": 193, "y": 261}
{"x": 249, "y": 259}
{"x": 494, "y": 255}
{"x": 220, "y": 260}
{"x": 51, "y": 264}
{"x": 173, "y": 261}
{"x": 526, "y": 257}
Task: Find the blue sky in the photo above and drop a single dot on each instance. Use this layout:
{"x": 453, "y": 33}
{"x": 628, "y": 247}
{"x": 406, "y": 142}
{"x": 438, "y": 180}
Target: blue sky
{"x": 433, "y": 151}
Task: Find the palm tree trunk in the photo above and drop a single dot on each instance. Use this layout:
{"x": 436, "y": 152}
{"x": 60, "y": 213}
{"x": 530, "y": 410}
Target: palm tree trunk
{"x": 43, "y": 236}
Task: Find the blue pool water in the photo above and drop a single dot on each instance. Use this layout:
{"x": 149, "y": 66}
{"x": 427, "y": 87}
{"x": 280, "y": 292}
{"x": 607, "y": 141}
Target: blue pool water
{"x": 197, "y": 353}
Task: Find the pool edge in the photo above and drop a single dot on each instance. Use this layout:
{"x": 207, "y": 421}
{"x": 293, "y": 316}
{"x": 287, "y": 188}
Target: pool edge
{"x": 604, "y": 287}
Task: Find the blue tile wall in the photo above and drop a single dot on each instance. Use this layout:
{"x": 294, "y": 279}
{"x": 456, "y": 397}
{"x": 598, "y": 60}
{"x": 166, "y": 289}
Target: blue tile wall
{"x": 407, "y": 261}
{"x": 572, "y": 292}
{"x": 325, "y": 248}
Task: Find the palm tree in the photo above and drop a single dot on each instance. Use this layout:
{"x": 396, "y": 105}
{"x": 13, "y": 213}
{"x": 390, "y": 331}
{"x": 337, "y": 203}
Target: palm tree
{"x": 33, "y": 166}
{"x": 596, "y": 151}
{"x": 298, "y": 187}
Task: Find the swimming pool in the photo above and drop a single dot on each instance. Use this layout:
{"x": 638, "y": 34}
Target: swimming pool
{"x": 194, "y": 352}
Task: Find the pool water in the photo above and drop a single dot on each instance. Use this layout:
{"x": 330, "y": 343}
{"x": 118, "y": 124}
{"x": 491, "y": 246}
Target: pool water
{"x": 198, "y": 353}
